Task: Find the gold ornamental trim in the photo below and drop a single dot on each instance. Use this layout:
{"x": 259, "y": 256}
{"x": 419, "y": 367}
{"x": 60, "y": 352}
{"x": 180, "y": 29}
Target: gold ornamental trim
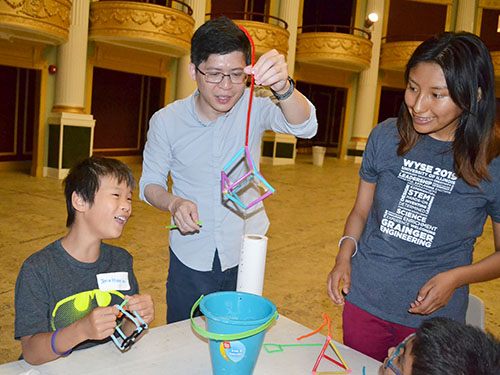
{"x": 266, "y": 36}
{"x": 143, "y": 26}
{"x": 109, "y": 56}
{"x": 22, "y": 55}
{"x": 395, "y": 55}
{"x": 44, "y": 21}
{"x": 342, "y": 51}
{"x": 495, "y": 56}
{"x": 438, "y": 2}
{"x": 67, "y": 109}
{"x": 489, "y": 4}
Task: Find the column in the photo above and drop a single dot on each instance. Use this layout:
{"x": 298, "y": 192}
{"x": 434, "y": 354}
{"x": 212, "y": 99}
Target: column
{"x": 466, "y": 15}
{"x": 364, "y": 119}
{"x": 185, "y": 85}
{"x": 279, "y": 149}
{"x": 71, "y": 130}
{"x": 289, "y": 11}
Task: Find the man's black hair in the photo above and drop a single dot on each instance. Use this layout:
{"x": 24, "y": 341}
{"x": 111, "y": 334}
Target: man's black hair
{"x": 219, "y": 36}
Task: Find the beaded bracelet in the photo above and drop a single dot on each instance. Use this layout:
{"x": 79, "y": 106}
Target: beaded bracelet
{"x": 52, "y": 343}
{"x": 355, "y": 243}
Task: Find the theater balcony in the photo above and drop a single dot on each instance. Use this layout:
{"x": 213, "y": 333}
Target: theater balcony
{"x": 396, "y": 51}
{"x": 42, "y": 21}
{"x": 336, "y": 46}
{"x": 268, "y": 32}
{"x": 163, "y": 28}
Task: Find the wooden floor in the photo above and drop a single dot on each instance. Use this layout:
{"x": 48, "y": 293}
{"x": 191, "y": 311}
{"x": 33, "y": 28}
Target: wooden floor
{"x": 307, "y": 215}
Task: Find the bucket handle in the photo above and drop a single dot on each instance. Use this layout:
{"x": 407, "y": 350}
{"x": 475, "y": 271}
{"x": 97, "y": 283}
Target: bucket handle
{"x": 229, "y": 336}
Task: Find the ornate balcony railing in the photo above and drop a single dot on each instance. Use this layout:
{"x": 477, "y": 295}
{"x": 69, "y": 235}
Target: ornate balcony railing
{"x": 268, "y": 32}
{"x": 337, "y": 46}
{"x": 252, "y": 16}
{"x": 141, "y": 25}
{"x": 45, "y": 21}
{"x": 335, "y": 29}
{"x": 397, "y": 50}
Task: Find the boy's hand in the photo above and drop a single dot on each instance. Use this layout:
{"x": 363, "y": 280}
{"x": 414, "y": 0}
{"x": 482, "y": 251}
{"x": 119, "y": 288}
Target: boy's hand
{"x": 270, "y": 70}
{"x": 100, "y": 323}
{"x": 143, "y": 305}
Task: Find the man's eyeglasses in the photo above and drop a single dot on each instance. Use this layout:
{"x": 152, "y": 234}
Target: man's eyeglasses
{"x": 389, "y": 363}
{"x": 218, "y": 77}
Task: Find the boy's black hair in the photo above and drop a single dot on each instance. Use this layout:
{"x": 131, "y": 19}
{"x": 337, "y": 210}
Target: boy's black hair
{"x": 85, "y": 177}
{"x": 443, "y": 346}
{"x": 219, "y": 36}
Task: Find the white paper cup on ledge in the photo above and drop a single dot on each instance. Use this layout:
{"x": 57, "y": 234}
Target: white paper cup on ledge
{"x": 318, "y": 155}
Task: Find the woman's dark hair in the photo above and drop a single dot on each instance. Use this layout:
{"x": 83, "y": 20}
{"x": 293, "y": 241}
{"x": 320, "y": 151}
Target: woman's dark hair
{"x": 443, "y": 346}
{"x": 85, "y": 177}
{"x": 219, "y": 36}
{"x": 467, "y": 67}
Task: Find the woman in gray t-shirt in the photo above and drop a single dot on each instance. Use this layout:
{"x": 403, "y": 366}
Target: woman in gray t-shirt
{"x": 429, "y": 180}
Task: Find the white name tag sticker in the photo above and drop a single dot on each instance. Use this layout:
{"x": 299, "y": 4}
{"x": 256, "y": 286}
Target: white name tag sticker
{"x": 113, "y": 281}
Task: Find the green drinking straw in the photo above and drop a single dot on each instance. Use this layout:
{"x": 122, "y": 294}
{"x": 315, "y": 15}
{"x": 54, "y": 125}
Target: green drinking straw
{"x": 175, "y": 226}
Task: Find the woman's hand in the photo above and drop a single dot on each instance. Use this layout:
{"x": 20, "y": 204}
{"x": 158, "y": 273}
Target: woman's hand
{"x": 341, "y": 273}
{"x": 435, "y": 293}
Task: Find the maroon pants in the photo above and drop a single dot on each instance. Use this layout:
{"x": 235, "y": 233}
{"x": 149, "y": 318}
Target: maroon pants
{"x": 371, "y": 335}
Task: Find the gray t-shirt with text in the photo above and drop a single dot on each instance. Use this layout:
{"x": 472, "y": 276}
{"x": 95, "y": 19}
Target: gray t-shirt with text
{"x": 423, "y": 221}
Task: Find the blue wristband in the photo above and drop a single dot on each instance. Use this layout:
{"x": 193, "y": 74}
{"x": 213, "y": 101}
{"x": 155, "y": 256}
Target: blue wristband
{"x": 52, "y": 343}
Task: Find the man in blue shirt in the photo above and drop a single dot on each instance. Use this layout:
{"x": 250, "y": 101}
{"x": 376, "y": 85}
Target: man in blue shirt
{"x": 194, "y": 138}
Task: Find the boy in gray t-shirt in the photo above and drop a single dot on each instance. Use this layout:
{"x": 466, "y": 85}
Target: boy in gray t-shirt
{"x": 66, "y": 293}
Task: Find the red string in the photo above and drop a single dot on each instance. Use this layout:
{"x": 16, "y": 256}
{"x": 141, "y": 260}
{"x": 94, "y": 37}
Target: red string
{"x": 251, "y": 83}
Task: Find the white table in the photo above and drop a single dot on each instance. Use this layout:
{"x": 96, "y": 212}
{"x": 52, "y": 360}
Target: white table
{"x": 177, "y": 349}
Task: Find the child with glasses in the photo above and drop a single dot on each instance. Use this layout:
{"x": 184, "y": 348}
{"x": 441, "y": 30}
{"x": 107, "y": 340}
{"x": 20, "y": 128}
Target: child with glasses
{"x": 67, "y": 293}
{"x": 193, "y": 139}
{"x": 429, "y": 181}
{"x": 443, "y": 346}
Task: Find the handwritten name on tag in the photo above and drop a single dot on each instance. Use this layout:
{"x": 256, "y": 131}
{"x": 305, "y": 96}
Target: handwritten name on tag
{"x": 113, "y": 281}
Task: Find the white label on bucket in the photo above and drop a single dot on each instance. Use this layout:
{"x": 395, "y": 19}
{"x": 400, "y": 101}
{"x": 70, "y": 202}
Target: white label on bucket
{"x": 232, "y": 351}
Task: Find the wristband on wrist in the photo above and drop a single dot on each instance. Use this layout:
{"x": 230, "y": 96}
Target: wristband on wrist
{"x": 52, "y": 343}
{"x": 287, "y": 94}
{"x": 355, "y": 244}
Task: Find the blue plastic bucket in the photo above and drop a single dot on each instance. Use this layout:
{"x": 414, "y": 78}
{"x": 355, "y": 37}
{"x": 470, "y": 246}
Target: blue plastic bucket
{"x": 236, "y": 325}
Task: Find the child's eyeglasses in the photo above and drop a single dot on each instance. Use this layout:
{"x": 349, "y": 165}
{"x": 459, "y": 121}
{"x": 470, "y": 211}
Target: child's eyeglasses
{"x": 389, "y": 363}
{"x": 118, "y": 335}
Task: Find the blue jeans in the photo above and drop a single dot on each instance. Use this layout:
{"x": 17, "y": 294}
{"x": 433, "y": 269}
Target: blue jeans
{"x": 185, "y": 286}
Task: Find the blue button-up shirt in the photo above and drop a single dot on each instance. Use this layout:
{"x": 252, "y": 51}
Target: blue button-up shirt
{"x": 194, "y": 152}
